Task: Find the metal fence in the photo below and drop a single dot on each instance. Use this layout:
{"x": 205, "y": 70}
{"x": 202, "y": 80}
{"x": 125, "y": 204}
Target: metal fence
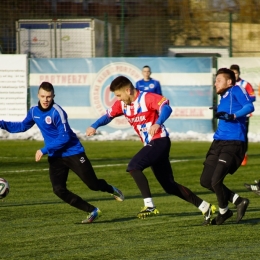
{"x": 143, "y": 28}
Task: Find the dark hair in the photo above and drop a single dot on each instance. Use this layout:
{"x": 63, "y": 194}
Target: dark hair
{"x": 235, "y": 67}
{"x": 146, "y": 66}
{"x": 119, "y": 83}
{"x": 228, "y": 73}
{"x": 46, "y": 86}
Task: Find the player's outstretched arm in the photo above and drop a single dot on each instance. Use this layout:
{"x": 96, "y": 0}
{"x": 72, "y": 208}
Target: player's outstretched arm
{"x": 103, "y": 120}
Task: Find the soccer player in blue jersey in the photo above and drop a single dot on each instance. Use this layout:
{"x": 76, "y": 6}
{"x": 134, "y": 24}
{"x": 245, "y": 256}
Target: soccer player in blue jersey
{"x": 65, "y": 152}
{"x": 148, "y": 84}
{"x": 228, "y": 148}
{"x": 146, "y": 113}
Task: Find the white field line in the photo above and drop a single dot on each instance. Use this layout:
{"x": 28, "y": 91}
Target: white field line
{"x": 94, "y": 166}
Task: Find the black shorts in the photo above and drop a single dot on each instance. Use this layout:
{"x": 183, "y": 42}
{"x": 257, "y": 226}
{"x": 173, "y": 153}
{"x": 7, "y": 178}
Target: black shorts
{"x": 232, "y": 152}
{"x": 155, "y": 155}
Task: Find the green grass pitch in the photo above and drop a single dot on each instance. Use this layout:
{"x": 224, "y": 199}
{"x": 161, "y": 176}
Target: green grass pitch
{"x": 35, "y": 224}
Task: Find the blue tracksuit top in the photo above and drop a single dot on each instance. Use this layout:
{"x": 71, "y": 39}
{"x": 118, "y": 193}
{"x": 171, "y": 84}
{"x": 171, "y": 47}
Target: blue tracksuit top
{"x": 59, "y": 139}
{"x": 152, "y": 86}
{"x": 236, "y": 101}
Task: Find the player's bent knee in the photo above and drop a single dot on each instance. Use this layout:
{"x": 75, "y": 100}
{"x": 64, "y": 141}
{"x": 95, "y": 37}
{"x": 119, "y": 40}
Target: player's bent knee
{"x": 205, "y": 183}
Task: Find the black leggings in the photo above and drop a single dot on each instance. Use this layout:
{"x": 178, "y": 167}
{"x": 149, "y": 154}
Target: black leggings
{"x": 156, "y": 155}
{"x": 59, "y": 169}
{"x": 222, "y": 158}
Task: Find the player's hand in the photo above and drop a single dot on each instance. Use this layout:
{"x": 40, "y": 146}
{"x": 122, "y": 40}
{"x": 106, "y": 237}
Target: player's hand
{"x": 38, "y": 155}
{"x": 225, "y": 116}
{"x": 153, "y": 129}
{"x": 90, "y": 131}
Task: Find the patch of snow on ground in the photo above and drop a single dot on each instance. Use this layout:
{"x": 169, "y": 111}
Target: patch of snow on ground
{"x": 35, "y": 134}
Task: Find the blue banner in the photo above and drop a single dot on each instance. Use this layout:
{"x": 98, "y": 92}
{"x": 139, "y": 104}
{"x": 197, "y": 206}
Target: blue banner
{"x": 82, "y": 88}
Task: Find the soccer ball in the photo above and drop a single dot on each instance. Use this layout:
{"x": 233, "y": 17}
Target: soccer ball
{"x": 4, "y": 188}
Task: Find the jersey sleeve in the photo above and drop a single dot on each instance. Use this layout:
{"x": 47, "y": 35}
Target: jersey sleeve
{"x": 17, "y": 127}
{"x": 137, "y": 84}
{"x": 250, "y": 90}
{"x": 115, "y": 110}
{"x": 158, "y": 88}
{"x": 244, "y": 100}
{"x": 155, "y": 101}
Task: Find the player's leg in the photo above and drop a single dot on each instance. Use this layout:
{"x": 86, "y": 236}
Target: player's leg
{"x": 229, "y": 160}
{"x": 163, "y": 173}
{"x": 58, "y": 176}
{"x": 81, "y": 165}
{"x": 144, "y": 159}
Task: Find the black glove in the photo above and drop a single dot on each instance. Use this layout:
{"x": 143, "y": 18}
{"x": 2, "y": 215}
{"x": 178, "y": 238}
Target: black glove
{"x": 225, "y": 116}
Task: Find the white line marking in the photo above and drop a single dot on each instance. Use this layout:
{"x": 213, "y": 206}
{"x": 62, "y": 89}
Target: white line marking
{"x": 94, "y": 166}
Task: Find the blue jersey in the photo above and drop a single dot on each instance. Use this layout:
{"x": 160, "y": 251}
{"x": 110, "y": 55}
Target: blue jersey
{"x": 236, "y": 101}
{"x": 59, "y": 139}
{"x": 152, "y": 86}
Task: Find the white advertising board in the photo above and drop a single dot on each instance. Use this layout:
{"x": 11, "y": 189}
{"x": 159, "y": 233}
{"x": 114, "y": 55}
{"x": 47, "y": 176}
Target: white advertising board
{"x": 13, "y": 87}
{"x": 74, "y": 43}
{"x": 36, "y": 40}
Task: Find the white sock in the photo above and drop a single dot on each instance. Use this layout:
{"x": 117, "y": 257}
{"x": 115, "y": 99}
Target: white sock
{"x": 204, "y": 206}
{"x": 148, "y": 202}
{"x": 235, "y": 198}
{"x": 223, "y": 211}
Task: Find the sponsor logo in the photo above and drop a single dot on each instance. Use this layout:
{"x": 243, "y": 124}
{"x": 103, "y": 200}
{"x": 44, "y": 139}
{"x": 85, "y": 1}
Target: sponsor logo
{"x": 136, "y": 119}
{"x": 100, "y": 95}
{"x": 161, "y": 101}
{"x": 48, "y": 120}
{"x": 35, "y": 43}
{"x": 82, "y": 159}
{"x": 65, "y": 38}
{"x": 36, "y": 117}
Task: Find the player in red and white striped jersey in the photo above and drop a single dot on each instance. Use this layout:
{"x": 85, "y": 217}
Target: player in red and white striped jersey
{"x": 250, "y": 90}
{"x": 146, "y": 113}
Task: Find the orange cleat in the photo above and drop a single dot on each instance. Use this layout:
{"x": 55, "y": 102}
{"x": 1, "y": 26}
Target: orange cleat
{"x": 244, "y": 162}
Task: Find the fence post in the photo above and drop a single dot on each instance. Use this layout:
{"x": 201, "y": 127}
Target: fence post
{"x": 230, "y": 34}
{"x": 122, "y": 28}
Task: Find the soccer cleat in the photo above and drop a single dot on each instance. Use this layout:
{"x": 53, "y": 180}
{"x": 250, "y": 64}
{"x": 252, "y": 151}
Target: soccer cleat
{"x": 221, "y": 218}
{"x": 118, "y": 195}
{"x": 254, "y": 187}
{"x": 147, "y": 211}
{"x": 95, "y": 214}
{"x": 208, "y": 214}
{"x": 244, "y": 162}
{"x": 241, "y": 208}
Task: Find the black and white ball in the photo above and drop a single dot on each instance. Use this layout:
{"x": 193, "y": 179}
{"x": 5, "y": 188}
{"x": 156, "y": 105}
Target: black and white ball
{"x": 4, "y": 188}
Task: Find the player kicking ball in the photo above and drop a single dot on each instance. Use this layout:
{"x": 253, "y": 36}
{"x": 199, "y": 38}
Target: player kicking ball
{"x": 146, "y": 113}
{"x": 65, "y": 152}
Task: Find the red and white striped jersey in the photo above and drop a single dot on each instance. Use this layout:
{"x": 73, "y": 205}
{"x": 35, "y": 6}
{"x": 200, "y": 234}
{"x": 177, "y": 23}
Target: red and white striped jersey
{"x": 249, "y": 89}
{"x": 247, "y": 86}
{"x": 142, "y": 114}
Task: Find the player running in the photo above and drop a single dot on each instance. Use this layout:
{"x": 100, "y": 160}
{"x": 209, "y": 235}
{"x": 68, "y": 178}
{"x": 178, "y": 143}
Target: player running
{"x": 146, "y": 113}
{"x": 228, "y": 148}
{"x": 65, "y": 152}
